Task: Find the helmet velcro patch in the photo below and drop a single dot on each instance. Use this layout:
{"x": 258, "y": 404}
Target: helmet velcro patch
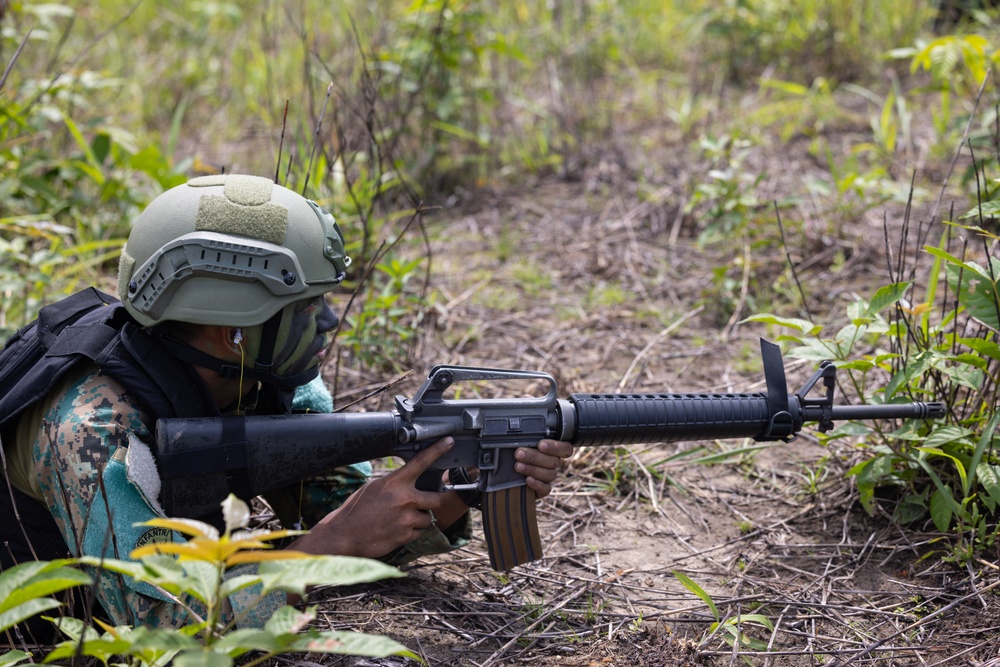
{"x": 266, "y": 222}
{"x": 126, "y": 264}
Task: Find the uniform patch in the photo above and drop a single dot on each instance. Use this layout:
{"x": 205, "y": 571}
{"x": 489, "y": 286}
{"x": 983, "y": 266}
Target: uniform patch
{"x": 154, "y": 536}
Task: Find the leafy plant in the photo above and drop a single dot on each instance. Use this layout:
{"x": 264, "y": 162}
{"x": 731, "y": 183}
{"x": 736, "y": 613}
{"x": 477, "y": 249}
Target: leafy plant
{"x": 382, "y": 334}
{"x": 200, "y": 574}
{"x": 731, "y": 627}
{"x": 70, "y": 185}
{"x": 948, "y": 470}
{"x": 725, "y": 201}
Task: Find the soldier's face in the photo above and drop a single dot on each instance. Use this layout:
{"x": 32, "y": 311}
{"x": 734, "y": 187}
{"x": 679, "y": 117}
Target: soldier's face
{"x": 302, "y": 336}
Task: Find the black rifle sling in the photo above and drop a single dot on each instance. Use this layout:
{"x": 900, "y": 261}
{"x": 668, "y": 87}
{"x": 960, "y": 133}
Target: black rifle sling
{"x": 235, "y": 451}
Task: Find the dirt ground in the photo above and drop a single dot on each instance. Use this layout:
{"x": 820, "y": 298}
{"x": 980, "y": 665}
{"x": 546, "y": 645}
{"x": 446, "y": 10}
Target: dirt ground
{"x": 608, "y": 291}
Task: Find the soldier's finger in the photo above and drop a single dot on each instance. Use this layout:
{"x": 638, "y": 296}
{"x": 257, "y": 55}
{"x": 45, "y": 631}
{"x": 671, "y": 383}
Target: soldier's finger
{"x": 423, "y": 459}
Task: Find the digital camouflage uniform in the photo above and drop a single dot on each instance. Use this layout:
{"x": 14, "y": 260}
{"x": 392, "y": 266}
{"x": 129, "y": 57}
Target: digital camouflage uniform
{"x": 90, "y": 424}
{"x": 224, "y": 251}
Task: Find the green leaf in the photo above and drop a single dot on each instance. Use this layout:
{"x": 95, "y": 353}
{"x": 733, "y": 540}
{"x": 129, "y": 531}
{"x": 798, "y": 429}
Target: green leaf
{"x": 238, "y": 583}
{"x": 985, "y": 443}
{"x": 289, "y": 620}
{"x": 202, "y": 659}
{"x": 942, "y": 508}
{"x": 294, "y": 576}
{"x": 103, "y": 649}
{"x": 26, "y": 610}
{"x": 351, "y": 643}
{"x": 944, "y": 434}
{"x": 803, "y": 326}
{"x": 977, "y": 291}
{"x": 697, "y": 590}
{"x": 886, "y": 296}
{"x": 754, "y": 618}
{"x": 238, "y": 642}
{"x": 11, "y": 658}
{"x": 986, "y": 348}
{"x": 74, "y": 628}
{"x": 202, "y": 580}
{"x": 813, "y": 350}
{"x": 160, "y": 640}
{"x": 23, "y": 575}
{"x": 862, "y": 365}
{"x": 989, "y": 479}
{"x": 959, "y": 466}
{"x": 910, "y": 508}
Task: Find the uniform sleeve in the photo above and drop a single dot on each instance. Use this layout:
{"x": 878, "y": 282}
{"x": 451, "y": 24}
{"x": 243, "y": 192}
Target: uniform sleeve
{"x": 79, "y": 461}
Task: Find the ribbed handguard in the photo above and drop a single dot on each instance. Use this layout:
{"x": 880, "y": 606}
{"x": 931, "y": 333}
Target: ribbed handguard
{"x": 625, "y": 419}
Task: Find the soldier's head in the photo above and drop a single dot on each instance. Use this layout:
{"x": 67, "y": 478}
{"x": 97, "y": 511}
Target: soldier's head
{"x": 241, "y": 255}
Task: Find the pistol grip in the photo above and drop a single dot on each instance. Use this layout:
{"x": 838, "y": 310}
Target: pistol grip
{"x": 430, "y": 480}
{"x": 511, "y": 527}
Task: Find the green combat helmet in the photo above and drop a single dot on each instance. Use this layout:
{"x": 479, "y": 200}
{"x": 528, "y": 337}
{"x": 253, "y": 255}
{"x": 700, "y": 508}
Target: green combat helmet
{"x": 230, "y": 250}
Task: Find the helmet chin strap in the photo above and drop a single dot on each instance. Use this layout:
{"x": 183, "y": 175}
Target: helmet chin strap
{"x": 262, "y": 370}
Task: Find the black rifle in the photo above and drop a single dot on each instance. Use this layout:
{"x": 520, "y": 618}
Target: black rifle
{"x": 202, "y": 460}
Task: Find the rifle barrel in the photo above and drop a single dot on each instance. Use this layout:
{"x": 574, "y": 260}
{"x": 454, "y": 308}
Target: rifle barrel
{"x": 917, "y": 410}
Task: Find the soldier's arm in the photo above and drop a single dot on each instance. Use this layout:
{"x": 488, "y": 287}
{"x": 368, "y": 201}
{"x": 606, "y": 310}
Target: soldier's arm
{"x": 78, "y": 458}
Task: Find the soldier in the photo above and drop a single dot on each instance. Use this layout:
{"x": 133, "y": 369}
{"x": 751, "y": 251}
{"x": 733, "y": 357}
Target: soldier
{"x": 222, "y": 285}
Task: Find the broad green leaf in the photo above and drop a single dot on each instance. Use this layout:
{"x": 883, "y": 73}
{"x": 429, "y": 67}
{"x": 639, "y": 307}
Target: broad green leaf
{"x": 989, "y": 479}
{"x": 986, "y": 348}
{"x": 36, "y": 579}
{"x": 238, "y": 583}
{"x": 46, "y": 584}
{"x": 26, "y": 610}
{"x": 161, "y": 640}
{"x": 699, "y": 591}
{"x": 942, "y": 508}
{"x": 814, "y": 350}
{"x": 863, "y": 365}
{"x": 202, "y": 659}
{"x": 986, "y": 209}
{"x": 103, "y": 649}
{"x": 294, "y": 576}
{"x": 886, "y": 296}
{"x": 910, "y": 508}
{"x": 202, "y": 581}
{"x": 978, "y": 291}
{"x": 238, "y": 642}
{"x": 289, "y": 620}
{"x": 74, "y": 628}
{"x": 973, "y": 360}
{"x": 945, "y": 434}
{"x": 11, "y": 658}
{"x": 351, "y": 643}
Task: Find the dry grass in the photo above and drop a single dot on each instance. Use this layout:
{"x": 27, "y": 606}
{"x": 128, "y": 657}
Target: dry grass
{"x": 776, "y": 533}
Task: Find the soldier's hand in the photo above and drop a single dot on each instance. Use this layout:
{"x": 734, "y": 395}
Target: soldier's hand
{"x": 541, "y": 466}
{"x": 382, "y": 515}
